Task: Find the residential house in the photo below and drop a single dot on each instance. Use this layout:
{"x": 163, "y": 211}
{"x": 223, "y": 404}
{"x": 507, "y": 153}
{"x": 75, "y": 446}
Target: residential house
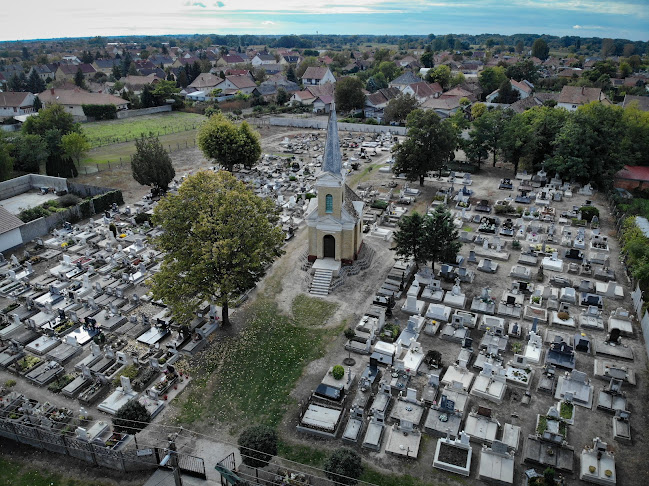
{"x": 135, "y": 84}
{"x": 184, "y": 61}
{"x": 444, "y": 106}
{"x": 642, "y": 102}
{"x": 69, "y": 71}
{"x": 272, "y": 68}
{"x": 572, "y": 97}
{"x": 206, "y": 82}
{"x": 460, "y": 92}
{"x": 523, "y": 88}
{"x": 231, "y": 60}
{"x": 268, "y": 89}
{"x": 238, "y": 72}
{"x": 161, "y": 60}
{"x": 375, "y": 103}
{"x": 536, "y": 99}
{"x": 422, "y": 90}
{"x": 16, "y": 104}
{"x": 263, "y": 58}
{"x": 309, "y": 94}
{"x": 240, "y": 83}
{"x": 152, "y": 71}
{"x": 43, "y": 71}
{"x": 326, "y": 60}
{"x": 405, "y": 79}
{"x": 322, "y": 104}
{"x": 570, "y": 73}
{"x": 317, "y": 76}
{"x": 10, "y": 235}
{"x": 105, "y": 65}
{"x": 290, "y": 59}
{"x": 73, "y": 100}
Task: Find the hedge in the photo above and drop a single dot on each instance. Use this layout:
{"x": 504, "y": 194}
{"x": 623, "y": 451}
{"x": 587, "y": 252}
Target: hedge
{"x": 105, "y": 201}
{"x": 100, "y": 112}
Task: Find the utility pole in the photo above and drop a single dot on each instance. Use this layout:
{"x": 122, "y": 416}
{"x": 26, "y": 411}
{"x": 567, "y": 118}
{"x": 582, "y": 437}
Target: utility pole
{"x": 172, "y": 459}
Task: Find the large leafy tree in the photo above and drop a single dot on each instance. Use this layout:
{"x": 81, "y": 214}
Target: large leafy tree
{"x": 524, "y": 69}
{"x": 30, "y": 153}
{"x": 258, "y": 445}
{"x": 441, "y": 243}
{"x": 229, "y": 144}
{"x": 349, "y": 94}
{"x": 54, "y": 116}
{"x": 218, "y": 239}
{"x": 151, "y": 164}
{"x": 409, "y": 238}
{"x": 491, "y": 78}
{"x": 34, "y": 83}
{"x": 430, "y": 144}
{"x": 488, "y": 131}
{"x": 344, "y": 466}
{"x": 507, "y": 94}
{"x": 399, "y": 108}
{"x": 6, "y": 162}
{"x": 441, "y": 74}
{"x": 75, "y": 145}
{"x": 131, "y": 417}
{"x": 540, "y": 49}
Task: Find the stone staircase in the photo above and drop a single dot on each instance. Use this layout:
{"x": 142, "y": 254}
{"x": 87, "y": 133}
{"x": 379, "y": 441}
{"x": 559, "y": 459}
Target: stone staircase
{"x": 321, "y": 283}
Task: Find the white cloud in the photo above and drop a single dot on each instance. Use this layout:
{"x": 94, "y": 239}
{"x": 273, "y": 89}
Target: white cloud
{"x": 577, "y": 27}
{"x": 268, "y": 22}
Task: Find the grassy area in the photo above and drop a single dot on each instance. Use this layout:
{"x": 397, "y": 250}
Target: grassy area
{"x": 121, "y": 152}
{"x": 358, "y": 177}
{"x": 118, "y": 131}
{"x": 248, "y": 377}
{"x": 14, "y": 473}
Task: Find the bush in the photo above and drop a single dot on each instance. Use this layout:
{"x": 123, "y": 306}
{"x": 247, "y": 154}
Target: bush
{"x": 131, "y": 418}
{"x": 100, "y": 112}
{"x": 379, "y": 204}
{"x": 27, "y": 215}
{"x": 344, "y": 466}
{"x": 69, "y": 200}
{"x": 140, "y": 218}
{"x": 564, "y": 316}
{"x": 258, "y": 445}
{"x": 587, "y": 212}
{"x": 502, "y": 209}
{"x": 10, "y": 383}
{"x": 338, "y": 372}
{"x": 106, "y": 200}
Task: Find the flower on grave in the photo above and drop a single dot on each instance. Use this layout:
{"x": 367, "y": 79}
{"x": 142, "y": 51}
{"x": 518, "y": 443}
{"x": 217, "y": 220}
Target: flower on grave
{"x": 64, "y": 244}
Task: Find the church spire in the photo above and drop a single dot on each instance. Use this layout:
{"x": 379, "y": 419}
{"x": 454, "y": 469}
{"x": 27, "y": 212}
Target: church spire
{"x": 332, "y": 161}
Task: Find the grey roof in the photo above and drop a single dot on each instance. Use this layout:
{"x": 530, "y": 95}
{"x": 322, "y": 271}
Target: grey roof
{"x": 333, "y": 162}
{"x": 8, "y": 221}
{"x": 406, "y": 78}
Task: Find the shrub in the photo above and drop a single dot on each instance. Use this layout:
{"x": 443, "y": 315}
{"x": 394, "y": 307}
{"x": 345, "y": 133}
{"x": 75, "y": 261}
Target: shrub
{"x": 258, "y": 445}
{"x": 100, "y": 112}
{"x": 379, "y": 204}
{"x": 338, "y": 372}
{"x": 131, "y": 417}
{"x": 344, "y": 466}
{"x": 564, "y": 316}
{"x": 140, "y": 218}
{"x": 587, "y": 212}
{"x": 10, "y": 383}
{"x": 69, "y": 200}
{"x": 27, "y": 215}
{"x": 502, "y": 209}
{"x": 516, "y": 245}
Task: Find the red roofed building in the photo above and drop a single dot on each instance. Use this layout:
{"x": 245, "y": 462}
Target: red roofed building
{"x": 632, "y": 177}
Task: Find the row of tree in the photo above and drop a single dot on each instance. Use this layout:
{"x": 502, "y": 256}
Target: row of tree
{"x": 590, "y": 144}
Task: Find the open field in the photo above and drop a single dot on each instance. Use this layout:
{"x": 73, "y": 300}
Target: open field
{"x": 116, "y": 131}
{"x": 18, "y": 473}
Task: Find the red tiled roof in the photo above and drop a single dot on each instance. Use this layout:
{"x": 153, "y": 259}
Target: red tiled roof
{"x": 634, "y": 173}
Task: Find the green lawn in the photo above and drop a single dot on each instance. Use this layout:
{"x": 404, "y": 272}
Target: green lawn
{"x": 121, "y": 152}
{"x": 246, "y": 379}
{"x": 14, "y": 473}
{"x": 119, "y": 131}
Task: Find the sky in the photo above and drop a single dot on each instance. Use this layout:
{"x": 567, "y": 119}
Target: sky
{"x": 42, "y": 19}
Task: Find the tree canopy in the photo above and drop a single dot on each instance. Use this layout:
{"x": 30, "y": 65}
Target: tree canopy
{"x": 75, "y": 145}
{"x": 229, "y": 144}
{"x": 430, "y": 144}
{"x": 344, "y": 466}
{"x": 491, "y": 78}
{"x": 540, "y": 49}
{"x": 349, "y": 94}
{"x": 399, "y": 108}
{"x": 151, "y": 164}
{"x": 218, "y": 239}
{"x": 131, "y": 417}
{"x": 258, "y": 445}
{"x": 440, "y": 74}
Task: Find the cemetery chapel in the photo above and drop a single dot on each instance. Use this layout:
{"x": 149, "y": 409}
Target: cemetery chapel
{"x": 335, "y": 217}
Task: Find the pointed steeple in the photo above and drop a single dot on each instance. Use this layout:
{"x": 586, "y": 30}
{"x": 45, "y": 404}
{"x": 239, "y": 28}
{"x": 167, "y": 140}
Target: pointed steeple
{"x": 332, "y": 161}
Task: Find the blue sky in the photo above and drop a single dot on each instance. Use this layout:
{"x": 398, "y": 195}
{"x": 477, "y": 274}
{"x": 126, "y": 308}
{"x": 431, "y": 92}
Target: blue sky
{"x": 71, "y": 18}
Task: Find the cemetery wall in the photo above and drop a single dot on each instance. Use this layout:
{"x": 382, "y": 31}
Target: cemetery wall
{"x": 42, "y": 226}
{"x": 50, "y": 440}
{"x": 24, "y": 183}
{"x": 322, "y": 124}
{"x": 85, "y": 190}
{"x": 143, "y": 111}
{"x": 638, "y": 304}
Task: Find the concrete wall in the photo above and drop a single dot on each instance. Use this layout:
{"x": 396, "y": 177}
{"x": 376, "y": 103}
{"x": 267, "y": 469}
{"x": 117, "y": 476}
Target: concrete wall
{"x": 144, "y": 111}
{"x": 41, "y": 226}
{"x": 322, "y": 124}
{"x": 21, "y": 184}
{"x": 85, "y": 190}
{"x": 10, "y": 239}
